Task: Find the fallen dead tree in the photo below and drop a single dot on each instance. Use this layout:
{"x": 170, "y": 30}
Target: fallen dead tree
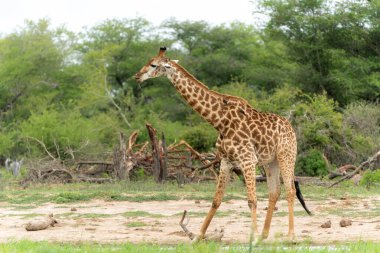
{"x": 178, "y": 161}
{"x": 348, "y": 171}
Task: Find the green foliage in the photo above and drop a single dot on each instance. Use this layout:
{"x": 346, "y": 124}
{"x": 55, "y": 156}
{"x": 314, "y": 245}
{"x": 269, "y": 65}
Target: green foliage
{"x": 64, "y": 134}
{"x": 361, "y": 121}
{"x": 201, "y": 137}
{"x": 371, "y": 178}
{"x": 311, "y": 164}
{"x": 332, "y": 43}
{"x": 314, "y": 62}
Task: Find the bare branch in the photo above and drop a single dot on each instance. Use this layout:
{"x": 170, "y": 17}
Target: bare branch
{"x": 183, "y": 226}
{"x": 132, "y": 141}
{"x": 216, "y": 236}
{"x": 109, "y": 95}
{"x": 43, "y": 145}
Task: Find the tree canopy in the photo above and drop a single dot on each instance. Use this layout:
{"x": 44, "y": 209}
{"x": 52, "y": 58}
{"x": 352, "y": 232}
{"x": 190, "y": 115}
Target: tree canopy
{"x": 315, "y": 62}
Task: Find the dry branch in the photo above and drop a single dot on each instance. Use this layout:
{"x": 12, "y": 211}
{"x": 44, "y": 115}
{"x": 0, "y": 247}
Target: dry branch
{"x": 94, "y": 162}
{"x": 216, "y": 236}
{"x": 369, "y": 161}
{"x": 43, "y": 145}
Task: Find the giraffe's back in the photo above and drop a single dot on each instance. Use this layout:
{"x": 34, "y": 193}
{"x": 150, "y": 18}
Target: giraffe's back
{"x": 269, "y": 134}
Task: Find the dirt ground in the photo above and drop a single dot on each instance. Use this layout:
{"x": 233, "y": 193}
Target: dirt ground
{"x": 157, "y": 222}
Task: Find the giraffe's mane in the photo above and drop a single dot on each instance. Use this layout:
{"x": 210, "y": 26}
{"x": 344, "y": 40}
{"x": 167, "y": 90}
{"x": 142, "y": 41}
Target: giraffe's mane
{"x": 203, "y": 86}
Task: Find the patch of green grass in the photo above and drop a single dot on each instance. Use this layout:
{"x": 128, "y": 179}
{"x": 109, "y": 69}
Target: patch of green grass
{"x": 148, "y": 190}
{"x": 23, "y": 207}
{"x": 84, "y": 215}
{"x": 133, "y": 224}
{"x": 68, "y": 197}
{"x": 203, "y": 214}
{"x": 28, "y": 215}
{"x": 141, "y": 214}
{"x": 45, "y": 247}
{"x": 346, "y": 188}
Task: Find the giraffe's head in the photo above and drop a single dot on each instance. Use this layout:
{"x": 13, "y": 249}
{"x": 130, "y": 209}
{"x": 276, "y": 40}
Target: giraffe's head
{"x": 157, "y": 66}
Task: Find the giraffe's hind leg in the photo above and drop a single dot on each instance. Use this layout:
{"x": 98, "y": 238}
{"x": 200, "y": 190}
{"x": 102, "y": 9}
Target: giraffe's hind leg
{"x": 225, "y": 167}
{"x": 272, "y": 172}
{"x": 286, "y": 163}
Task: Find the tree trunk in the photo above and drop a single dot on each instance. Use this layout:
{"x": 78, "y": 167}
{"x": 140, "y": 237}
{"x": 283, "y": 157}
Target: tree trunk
{"x": 120, "y": 159}
{"x": 164, "y": 159}
{"x": 155, "y": 153}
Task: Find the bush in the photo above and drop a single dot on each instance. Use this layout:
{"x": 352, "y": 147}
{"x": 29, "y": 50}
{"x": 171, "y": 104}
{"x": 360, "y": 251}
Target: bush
{"x": 370, "y": 178}
{"x": 201, "y": 138}
{"x": 63, "y": 132}
{"x": 311, "y": 164}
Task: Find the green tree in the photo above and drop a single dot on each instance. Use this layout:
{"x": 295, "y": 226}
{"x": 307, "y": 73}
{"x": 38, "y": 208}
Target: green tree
{"x": 334, "y": 44}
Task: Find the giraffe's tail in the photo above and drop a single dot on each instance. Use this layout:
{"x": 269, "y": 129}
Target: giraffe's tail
{"x": 300, "y": 197}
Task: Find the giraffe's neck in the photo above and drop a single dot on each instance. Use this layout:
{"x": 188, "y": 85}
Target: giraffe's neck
{"x": 204, "y": 101}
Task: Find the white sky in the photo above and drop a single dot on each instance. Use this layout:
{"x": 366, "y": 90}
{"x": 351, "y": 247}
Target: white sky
{"x": 75, "y": 14}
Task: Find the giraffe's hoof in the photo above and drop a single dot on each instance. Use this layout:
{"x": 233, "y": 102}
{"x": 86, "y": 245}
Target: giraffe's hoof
{"x": 264, "y": 236}
{"x": 255, "y": 241}
{"x": 292, "y": 237}
{"x": 198, "y": 238}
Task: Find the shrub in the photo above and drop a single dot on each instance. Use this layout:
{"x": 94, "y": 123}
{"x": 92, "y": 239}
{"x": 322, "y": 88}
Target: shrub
{"x": 311, "y": 164}
{"x": 370, "y": 178}
{"x": 201, "y": 137}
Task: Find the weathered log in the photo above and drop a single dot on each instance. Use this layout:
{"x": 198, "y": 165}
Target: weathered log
{"x": 369, "y": 161}
{"x": 342, "y": 171}
{"x": 94, "y": 180}
{"x": 41, "y": 224}
{"x": 94, "y": 163}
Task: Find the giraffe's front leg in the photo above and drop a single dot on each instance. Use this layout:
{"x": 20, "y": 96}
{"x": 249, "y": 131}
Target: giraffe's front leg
{"x": 248, "y": 166}
{"x": 225, "y": 167}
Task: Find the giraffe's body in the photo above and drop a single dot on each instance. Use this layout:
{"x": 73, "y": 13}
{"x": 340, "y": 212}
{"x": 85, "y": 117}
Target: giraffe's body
{"x": 247, "y": 138}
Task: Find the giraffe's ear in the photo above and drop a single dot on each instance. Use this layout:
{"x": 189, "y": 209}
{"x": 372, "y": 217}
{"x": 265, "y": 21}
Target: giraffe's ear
{"x": 161, "y": 53}
{"x": 176, "y": 61}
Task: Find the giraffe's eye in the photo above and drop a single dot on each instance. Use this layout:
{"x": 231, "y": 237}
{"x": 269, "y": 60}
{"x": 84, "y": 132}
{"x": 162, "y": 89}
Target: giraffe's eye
{"x": 153, "y": 65}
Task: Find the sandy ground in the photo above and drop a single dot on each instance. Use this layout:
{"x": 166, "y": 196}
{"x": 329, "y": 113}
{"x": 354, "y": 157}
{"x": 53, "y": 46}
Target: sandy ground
{"x": 104, "y": 222}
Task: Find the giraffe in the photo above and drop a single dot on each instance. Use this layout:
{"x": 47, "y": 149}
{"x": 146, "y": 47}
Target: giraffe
{"x": 247, "y": 138}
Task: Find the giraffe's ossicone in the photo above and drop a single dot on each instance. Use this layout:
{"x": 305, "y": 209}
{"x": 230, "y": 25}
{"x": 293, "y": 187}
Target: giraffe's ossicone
{"x": 247, "y": 138}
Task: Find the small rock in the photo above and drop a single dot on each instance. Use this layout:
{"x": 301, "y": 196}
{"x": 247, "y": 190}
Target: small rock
{"x": 305, "y": 231}
{"x": 73, "y": 209}
{"x": 345, "y": 196}
{"x": 345, "y": 223}
{"x": 365, "y": 204}
{"x": 197, "y": 202}
{"x": 377, "y": 227}
{"x": 327, "y": 224}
